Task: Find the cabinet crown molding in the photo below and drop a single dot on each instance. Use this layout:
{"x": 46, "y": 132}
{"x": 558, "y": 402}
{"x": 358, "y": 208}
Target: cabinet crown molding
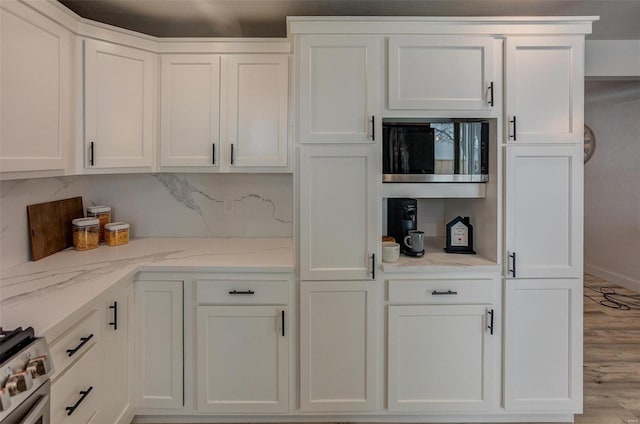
{"x": 478, "y": 25}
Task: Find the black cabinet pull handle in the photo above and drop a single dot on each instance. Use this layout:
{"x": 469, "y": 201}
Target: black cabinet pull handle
{"x": 213, "y": 153}
{"x": 443, "y": 293}
{"x": 232, "y": 155}
{"x": 513, "y": 271}
{"x": 490, "y": 326}
{"x": 491, "y": 94}
{"x": 83, "y": 341}
{"x": 83, "y": 395}
{"x": 282, "y": 318}
{"x": 514, "y": 129}
{"x": 114, "y": 323}
{"x": 373, "y": 127}
{"x": 373, "y": 266}
{"x": 91, "y": 153}
{"x": 242, "y": 292}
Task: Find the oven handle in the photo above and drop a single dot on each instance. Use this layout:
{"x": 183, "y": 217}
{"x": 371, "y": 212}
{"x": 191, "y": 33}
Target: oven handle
{"x": 39, "y": 411}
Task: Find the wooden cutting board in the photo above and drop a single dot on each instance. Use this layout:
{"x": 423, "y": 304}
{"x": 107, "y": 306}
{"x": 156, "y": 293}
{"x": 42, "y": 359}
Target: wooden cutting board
{"x": 50, "y": 225}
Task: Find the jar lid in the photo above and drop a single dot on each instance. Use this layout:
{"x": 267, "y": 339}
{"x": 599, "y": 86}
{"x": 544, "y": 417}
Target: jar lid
{"x": 98, "y": 209}
{"x": 116, "y": 226}
{"x": 85, "y": 222}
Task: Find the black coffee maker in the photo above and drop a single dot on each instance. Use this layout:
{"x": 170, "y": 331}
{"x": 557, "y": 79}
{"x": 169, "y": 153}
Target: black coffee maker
{"x": 402, "y": 216}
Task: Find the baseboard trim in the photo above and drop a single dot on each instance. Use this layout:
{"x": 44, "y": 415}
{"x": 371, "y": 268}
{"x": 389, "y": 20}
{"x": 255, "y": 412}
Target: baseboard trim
{"x": 613, "y": 277}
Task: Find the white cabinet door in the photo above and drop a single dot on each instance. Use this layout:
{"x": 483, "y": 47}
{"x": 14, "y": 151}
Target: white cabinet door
{"x": 116, "y": 359}
{"x": 118, "y": 106}
{"x": 255, "y": 109}
{"x": 340, "y": 88}
{"x": 441, "y": 72}
{"x": 441, "y": 358}
{"x": 544, "y": 89}
{"x": 242, "y": 359}
{"x": 544, "y": 204}
{"x": 543, "y": 345}
{"x": 35, "y": 104}
{"x": 338, "y": 212}
{"x": 158, "y": 344}
{"x": 338, "y": 346}
{"x": 190, "y": 110}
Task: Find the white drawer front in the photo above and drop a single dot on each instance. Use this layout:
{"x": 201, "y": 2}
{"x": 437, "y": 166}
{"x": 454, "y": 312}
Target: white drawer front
{"x": 242, "y": 292}
{"x": 442, "y": 291}
{"x": 77, "y": 387}
{"x": 84, "y": 333}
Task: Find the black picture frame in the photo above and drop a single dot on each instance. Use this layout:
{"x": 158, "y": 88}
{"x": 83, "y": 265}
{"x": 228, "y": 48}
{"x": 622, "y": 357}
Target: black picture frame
{"x": 460, "y": 249}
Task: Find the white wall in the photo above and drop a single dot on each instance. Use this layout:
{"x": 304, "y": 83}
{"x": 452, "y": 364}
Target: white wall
{"x": 156, "y": 205}
{"x": 612, "y": 182}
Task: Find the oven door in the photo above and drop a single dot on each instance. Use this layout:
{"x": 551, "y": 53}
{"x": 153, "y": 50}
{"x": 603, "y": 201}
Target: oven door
{"x": 34, "y": 410}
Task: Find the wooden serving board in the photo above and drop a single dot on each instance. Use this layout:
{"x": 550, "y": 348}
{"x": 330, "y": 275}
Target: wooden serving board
{"x": 50, "y": 225}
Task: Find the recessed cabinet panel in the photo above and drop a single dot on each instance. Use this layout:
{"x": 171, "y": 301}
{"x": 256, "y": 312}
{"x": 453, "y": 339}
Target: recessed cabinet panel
{"x": 339, "y": 88}
{"x": 159, "y": 344}
{"x": 440, "y": 358}
{"x": 338, "y": 210}
{"x": 35, "y": 103}
{"x": 441, "y": 72}
{"x": 544, "y": 211}
{"x": 256, "y": 109}
{"x": 242, "y": 358}
{"x": 190, "y": 110}
{"x": 543, "y": 345}
{"x": 544, "y": 89}
{"x": 118, "y": 106}
{"x": 338, "y": 333}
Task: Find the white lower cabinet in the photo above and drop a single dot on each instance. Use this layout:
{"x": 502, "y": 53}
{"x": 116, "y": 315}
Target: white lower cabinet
{"x": 158, "y": 344}
{"x": 338, "y": 346}
{"x": 443, "y": 341}
{"x": 75, "y": 395}
{"x": 543, "y": 345}
{"x": 116, "y": 349}
{"x": 242, "y": 359}
{"x": 440, "y": 358}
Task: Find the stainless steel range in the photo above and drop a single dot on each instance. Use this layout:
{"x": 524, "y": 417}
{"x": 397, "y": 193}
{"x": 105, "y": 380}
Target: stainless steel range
{"x": 25, "y": 368}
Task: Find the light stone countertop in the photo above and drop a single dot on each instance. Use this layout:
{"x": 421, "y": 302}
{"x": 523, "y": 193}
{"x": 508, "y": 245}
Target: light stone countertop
{"x": 42, "y": 294}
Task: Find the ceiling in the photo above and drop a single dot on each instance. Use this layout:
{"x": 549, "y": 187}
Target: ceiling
{"x": 619, "y": 19}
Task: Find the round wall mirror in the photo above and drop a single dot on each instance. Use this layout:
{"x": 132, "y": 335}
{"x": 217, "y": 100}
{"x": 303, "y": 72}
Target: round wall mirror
{"x": 589, "y": 143}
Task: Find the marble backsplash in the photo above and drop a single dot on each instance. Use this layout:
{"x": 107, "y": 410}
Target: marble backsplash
{"x": 157, "y": 205}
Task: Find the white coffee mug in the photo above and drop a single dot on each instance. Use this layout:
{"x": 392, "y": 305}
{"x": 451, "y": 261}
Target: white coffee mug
{"x": 415, "y": 240}
{"x": 390, "y": 251}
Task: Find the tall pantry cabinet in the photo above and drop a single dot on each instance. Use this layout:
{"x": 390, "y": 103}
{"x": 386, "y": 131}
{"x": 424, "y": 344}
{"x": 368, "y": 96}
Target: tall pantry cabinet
{"x": 543, "y": 223}
{"x": 338, "y": 99}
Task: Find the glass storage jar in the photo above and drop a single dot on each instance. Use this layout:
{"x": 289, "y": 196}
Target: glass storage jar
{"x": 86, "y": 233}
{"x": 103, "y": 213}
{"x": 116, "y": 233}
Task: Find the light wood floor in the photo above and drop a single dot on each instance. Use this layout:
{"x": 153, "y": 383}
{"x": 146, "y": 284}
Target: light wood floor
{"x": 611, "y": 359}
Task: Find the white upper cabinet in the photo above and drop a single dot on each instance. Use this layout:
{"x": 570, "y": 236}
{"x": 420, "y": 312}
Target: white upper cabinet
{"x": 190, "y": 110}
{"x": 441, "y": 72}
{"x": 338, "y": 212}
{"x": 226, "y": 113}
{"x": 35, "y": 109}
{"x": 255, "y": 100}
{"x": 340, "y": 88}
{"x": 543, "y": 216}
{"x": 118, "y": 106}
{"x": 544, "y": 89}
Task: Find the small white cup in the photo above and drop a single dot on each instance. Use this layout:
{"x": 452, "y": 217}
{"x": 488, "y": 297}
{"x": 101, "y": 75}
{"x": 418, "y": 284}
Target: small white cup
{"x": 390, "y": 251}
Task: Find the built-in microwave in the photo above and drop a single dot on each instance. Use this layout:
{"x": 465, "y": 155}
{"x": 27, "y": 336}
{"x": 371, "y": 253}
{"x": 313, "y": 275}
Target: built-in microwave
{"x": 435, "y": 150}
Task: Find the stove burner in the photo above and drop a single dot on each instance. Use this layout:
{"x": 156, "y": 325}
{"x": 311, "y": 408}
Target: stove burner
{"x": 12, "y": 341}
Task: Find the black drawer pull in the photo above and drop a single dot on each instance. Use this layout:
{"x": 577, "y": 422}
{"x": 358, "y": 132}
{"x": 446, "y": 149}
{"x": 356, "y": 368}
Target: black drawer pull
{"x": 512, "y": 271}
{"x": 83, "y": 395}
{"x": 443, "y": 293}
{"x": 242, "y": 292}
{"x": 83, "y": 341}
{"x": 490, "y": 326}
{"x": 282, "y": 318}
